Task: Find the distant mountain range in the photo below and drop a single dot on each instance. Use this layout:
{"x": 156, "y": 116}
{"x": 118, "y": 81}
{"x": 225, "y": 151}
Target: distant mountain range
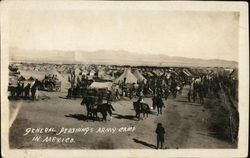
{"x": 113, "y": 57}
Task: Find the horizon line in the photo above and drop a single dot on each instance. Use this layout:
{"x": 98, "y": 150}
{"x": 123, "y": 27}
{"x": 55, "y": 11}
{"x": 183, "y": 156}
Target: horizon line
{"x": 116, "y": 50}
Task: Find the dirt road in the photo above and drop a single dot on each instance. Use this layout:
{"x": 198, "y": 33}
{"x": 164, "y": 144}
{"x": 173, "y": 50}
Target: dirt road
{"x": 185, "y": 124}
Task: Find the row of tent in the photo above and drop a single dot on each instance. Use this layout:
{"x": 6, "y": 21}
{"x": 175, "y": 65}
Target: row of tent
{"x": 129, "y": 77}
{"x": 126, "y": 77}
{"x": 122, "y": 74}
{"x": 133, "y": 77}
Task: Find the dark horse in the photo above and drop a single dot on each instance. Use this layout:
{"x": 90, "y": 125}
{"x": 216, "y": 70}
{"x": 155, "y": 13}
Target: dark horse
{"x": 157, "y": 102}
{"x": 93, "y": 108}
{"x": 89, "y": 102}
{"x": 105, "y": 109}
{"x": 16, "y": 91}
{"x": 141, "y": 108}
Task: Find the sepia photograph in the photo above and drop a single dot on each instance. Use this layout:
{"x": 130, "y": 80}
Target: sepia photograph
{"x": 117, "y": 77}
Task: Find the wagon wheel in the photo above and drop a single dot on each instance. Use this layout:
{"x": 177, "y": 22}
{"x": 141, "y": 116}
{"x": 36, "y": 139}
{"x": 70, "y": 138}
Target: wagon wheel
{"x": 58, "y": 89}
{"x": 50, "y": 87}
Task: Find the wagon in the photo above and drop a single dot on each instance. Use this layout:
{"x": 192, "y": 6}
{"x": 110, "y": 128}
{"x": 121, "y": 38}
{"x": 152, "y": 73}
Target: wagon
{"x": 50, "y": 85}
{"x": 104, "y": 89}
{"x": 58, "y": 86}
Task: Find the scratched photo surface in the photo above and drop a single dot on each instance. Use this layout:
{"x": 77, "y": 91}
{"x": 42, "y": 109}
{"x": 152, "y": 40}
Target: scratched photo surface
{"x": 118, "y": 79}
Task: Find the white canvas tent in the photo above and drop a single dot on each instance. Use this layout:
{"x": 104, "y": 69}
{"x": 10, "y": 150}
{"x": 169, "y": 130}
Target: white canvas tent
{"x": 92, "y": 73}
{"x": 34, "y": 74}
{"x": 127, "y": 76}
{"x": 85, "y": 72}
{"x": 168, "y": 75}
{"x": 101, "y": 85}
{"x": 158, "y": 72}
{"x": 234, "y": 73}
{"x": 186, "y": 72}
{"x": 101, "y": 74}
{"x": 77, "y": 71}
{"x": 55, "y": 72}
{"x": 139, "y": 76}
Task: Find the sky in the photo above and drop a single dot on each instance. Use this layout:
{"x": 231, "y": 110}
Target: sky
{"x": 193, "y": 34}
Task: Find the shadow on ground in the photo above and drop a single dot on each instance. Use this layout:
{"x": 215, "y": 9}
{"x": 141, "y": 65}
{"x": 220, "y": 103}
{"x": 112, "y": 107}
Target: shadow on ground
{"x": 63, "y": 97}
{"x": 144, "y": 143}
{"x": 80, "y": 117}
{"x": 128, "y": 117}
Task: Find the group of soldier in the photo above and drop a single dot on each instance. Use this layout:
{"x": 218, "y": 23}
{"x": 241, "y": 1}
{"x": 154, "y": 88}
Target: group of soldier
{"x": 29, "y": 91}
{"x": 211, "y": 86}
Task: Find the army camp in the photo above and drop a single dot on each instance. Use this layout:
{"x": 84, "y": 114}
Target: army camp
{"x": 197, "y": 106}
{"x": 110, "y": 78}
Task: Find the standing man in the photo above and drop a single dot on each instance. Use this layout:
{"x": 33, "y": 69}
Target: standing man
{"x": 154, "y": 100}
{"x": 117, "y": 94}
{"x": 130, "y": 93}
{"x": 37, "y": 93}
{"x": 109, "y": 96}
{"x": 194, "y": 95}
{"x": 160, "y": 131}
{"x": 189, "y": 95}
{"x": 140, "y": 100}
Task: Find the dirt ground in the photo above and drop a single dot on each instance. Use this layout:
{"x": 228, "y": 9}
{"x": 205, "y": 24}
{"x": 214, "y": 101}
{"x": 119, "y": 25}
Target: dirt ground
{"x": 186, "y": 125}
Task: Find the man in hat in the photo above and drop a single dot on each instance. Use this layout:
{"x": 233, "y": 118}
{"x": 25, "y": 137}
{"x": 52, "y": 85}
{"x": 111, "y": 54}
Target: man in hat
{"x": 109, "y": 96}
{"x": 160, "y": 131}
{"x": 140, "y": 100}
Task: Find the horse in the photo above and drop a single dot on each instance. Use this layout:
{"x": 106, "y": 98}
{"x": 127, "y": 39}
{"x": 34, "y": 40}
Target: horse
{"x": 105, "y": 109}
{"x": 13, "y": 91}
{"x": 70, "y": 93}
{"x": 93, "y": 108}
{"x": 90, "y": 103}
{"x": 141, "y": 108}
{"x": 19, "y": 90}
{"x": 137, "y": 109}
{"x": 16, "y": 91}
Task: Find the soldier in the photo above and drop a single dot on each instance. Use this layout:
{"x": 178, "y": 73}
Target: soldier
{"x": 154, "y": 100}
{"x": 36, "y": 93}
{"x": 194, "y": 95}
{"x": 109, "y": 96}
{"x": 160, "y": 131}
{"x": 100, "y": 99}
{"x": 140, "y": 100}
{"x": 166, "y": 92}
{"x": 189, "y": 96}
{"x": 117, "y": 94}
{"x": 130, "y": 93}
